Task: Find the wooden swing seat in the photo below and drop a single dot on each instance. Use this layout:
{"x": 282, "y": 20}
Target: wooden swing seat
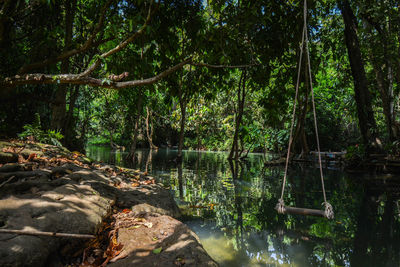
{"x": 304, "y": 211}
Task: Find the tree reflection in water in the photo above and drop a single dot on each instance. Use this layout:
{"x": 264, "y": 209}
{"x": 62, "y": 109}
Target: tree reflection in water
{"x": 231, "y": 207}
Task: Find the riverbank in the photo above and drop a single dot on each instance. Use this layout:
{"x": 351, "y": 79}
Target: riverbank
{"x": 50, "y": 189}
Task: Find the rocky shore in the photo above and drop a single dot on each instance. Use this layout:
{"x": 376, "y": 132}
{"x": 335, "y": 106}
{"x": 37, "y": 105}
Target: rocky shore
{"x": 114, "y": 216}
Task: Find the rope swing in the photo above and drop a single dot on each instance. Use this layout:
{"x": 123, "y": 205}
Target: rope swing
{"x": 280, "y": 207}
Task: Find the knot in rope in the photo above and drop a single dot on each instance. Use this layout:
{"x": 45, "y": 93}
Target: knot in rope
{"x": 280, "y": 206}
{"x": 328, "y": 210}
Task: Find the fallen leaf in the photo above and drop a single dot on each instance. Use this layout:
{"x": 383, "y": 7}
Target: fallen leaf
{"x": 31, "y": 156}
{"x": 126, "y": 211}
{"x": 21, "y": 159}
{"x": 148, "y": 224}
{"x": 114, "y": 241}
{"x": 179, "y": 261}
{"x": 157, "y": 250}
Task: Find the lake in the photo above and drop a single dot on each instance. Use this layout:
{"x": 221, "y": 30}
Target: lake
{"x": 231, "y": 208}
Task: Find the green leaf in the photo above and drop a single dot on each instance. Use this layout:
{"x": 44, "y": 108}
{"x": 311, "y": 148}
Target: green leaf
{"x": 157, "y": 250}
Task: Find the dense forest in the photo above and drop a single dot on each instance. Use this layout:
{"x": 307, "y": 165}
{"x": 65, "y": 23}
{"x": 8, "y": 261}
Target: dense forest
{"x": 195, "y": 74}
{"x": 117, "y": 79}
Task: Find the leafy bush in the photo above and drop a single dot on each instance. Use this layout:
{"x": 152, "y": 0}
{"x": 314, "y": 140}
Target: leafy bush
{"x": 34, "y": 131}
{"x": 276, "y": 140}
{"x": 356, "y": 152}
{"x": 393, "y": 148}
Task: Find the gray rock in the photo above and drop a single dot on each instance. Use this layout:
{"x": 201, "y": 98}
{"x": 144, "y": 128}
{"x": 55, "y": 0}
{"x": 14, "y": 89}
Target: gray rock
{"x": 153, "y": 195}
{"x": 179, "y": 245}
{"x": 69, "y": 208}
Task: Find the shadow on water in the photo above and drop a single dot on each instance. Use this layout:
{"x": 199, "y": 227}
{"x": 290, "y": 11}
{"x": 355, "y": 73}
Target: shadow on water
{"x": 231, "y": 208}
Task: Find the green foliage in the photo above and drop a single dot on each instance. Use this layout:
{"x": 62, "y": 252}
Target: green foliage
{"x": 356, "y": 152}
{"x": 394, "y": 148}
{"x": 264, "y": 33}
{"x": 276, "y": 140}
{"x": 35, "y": 131}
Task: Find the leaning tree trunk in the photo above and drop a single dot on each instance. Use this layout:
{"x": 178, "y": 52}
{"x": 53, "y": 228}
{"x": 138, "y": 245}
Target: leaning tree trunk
{"x": 365, "y": 113}
{"x": 182, "y": 104}
{"x": 234, "y": 153}
{"x": 149, "y": 129}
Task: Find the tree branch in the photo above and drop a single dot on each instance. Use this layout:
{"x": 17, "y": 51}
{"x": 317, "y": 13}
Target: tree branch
{"x": 39, "y": 78}
{"x": 40, "y": 233}
{"x": 200, "y": 64}
{"x": 121, "y": 45}
{"x": 88, "y": 44}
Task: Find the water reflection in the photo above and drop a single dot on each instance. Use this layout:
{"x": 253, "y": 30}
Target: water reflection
{"x": 231, "y": 207}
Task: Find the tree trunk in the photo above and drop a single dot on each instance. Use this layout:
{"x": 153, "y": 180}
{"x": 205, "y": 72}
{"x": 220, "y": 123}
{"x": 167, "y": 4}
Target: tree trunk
{"x": 365, "y": 114}
{"x": 386, "y": 97}
{"x": 234, "y": 153}
{"x": 182, "y": 104}
{"x": 148, "y": 161}
{"x": 132, "y": 153}
{"x": 69, "y": 127}
{"x": 383, "y": 69}
{"x": 6, "y": 22}
{"x": 59, "y": 105}
{"x": 149, "y": 129}
{"x": 300, "y": 133}
{"x": 180, "y": 181}
{"x": 113, "y": 146}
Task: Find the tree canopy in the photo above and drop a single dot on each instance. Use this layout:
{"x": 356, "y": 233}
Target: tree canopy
{"x": 198, "y": 73}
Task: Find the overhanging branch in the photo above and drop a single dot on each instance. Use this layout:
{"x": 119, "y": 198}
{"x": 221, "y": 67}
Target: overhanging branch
{"x": 38, "y": 78}
{"x": 200, "y": 64}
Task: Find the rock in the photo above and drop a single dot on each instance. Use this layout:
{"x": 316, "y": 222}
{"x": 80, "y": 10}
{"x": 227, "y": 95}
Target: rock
{"x": 24, "y": 174}
{"x": 68, "y": 209}
{"x": 27, "y": 152}
{"x": 65, "y": 169}
{"x": 145, "y": 209}
{"x": 11, "y": 167}
{"x": 153, "y": 195}
{"x": 73, "y": 198}
{"x": 6, "y": 157}
{"x": 179, "y": 245}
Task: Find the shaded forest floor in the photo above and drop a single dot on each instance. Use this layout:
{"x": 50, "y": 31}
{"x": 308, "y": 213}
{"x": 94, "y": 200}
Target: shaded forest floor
{"x": 49, "y": 189}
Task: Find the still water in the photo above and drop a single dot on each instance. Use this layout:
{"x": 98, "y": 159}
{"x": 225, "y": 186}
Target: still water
{"x": 231, "y": 209}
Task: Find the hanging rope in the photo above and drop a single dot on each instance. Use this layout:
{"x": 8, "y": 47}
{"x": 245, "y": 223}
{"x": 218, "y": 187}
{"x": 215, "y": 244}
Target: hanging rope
{"x": 280, "y": 207}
